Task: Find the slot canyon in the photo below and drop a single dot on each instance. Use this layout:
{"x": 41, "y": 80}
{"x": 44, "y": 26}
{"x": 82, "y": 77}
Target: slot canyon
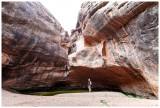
{"x": 115, "y": 44}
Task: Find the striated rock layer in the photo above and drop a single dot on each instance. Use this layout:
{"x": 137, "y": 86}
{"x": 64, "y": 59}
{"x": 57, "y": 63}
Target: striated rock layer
{"x": 116, "y": 45}
{"x": 32, "y": 55}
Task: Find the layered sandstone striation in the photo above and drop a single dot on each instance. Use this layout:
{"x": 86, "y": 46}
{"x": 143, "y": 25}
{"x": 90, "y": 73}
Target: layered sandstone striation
{"x": 116, "y": 46}
{"x": 33, "y": 46}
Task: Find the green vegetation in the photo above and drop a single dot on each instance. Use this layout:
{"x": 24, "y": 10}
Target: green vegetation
{"x": 130, "y": 96}
{"x": 104, "y": 102}
{"x": 134, "y": 96}
{"x": 56, "y": 92}
{"x": 144, "y": 97}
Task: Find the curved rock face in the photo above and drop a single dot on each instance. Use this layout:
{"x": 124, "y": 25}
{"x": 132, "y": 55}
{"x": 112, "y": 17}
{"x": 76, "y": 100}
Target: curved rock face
{"x": 32, "y": 55}
{"x": 114, "y": 44}
{"x": 117, "y": 46}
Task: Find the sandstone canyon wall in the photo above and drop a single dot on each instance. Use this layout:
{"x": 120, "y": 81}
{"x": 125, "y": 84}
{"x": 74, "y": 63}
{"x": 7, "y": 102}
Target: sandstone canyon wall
{"x": 116, "y": 45}
{"x": 32, "y": 55}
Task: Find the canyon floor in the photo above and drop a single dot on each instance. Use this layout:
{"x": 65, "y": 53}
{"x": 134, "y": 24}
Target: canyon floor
{"x": 75, "y": 99}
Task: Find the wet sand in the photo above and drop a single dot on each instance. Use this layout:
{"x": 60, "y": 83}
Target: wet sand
{"x": 75, "y": 99}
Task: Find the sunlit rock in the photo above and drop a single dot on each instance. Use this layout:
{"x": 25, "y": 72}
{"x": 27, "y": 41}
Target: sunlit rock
{"x": 118, "y": 47}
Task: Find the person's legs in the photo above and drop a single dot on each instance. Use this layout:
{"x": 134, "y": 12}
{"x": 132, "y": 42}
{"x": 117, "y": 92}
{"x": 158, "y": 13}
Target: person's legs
{"x": 89, "y": 87}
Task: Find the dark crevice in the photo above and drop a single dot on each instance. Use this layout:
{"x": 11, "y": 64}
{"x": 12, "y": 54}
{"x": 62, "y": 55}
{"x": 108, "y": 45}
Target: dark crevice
{"x": 97, "y": 8}
{"x": 121, "y": 5}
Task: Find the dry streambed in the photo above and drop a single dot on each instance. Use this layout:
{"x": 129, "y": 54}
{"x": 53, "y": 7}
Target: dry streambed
{"x": 75, "y": 99}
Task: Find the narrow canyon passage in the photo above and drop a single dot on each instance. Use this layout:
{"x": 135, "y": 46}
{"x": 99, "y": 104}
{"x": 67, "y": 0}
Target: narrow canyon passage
{"x": 115, "y": 44}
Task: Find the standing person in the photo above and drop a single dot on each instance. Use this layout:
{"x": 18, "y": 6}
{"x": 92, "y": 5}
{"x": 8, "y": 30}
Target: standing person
{"x": 89, "y": 85}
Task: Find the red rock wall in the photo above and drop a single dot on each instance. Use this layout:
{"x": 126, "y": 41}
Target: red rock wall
{"x": 32, "y": 55}
{"x": 114, "y": 44}
{"x": 119, "y": 46}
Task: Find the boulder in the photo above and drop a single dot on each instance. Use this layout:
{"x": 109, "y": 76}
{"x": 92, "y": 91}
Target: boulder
{"x": 32, "y": 55}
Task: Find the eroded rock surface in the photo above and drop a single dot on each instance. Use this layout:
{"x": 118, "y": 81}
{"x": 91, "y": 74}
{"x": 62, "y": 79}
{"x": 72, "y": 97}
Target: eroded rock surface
{"x": 117, "y": 46}
{"x": 32, "y": 55}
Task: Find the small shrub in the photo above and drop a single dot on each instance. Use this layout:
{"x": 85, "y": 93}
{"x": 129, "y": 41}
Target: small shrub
{"x": 104, "y": 102}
